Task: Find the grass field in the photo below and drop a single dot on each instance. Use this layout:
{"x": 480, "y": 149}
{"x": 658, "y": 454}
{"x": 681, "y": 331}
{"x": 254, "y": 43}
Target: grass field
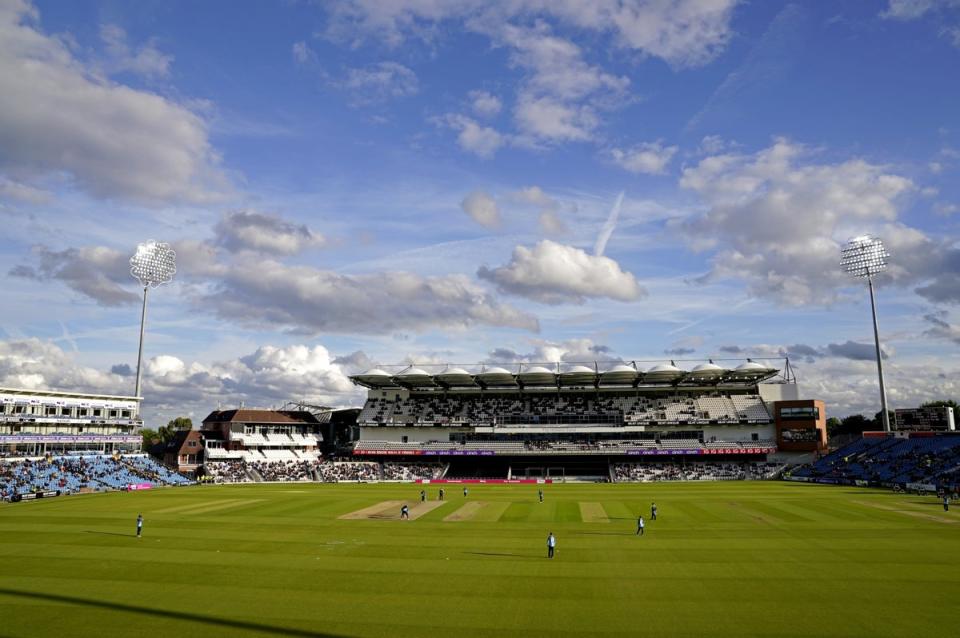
{"x": 725, "y": 559}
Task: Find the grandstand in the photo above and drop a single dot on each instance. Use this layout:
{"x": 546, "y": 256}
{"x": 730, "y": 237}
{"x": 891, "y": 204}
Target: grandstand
{"x": 579, "y": 419}
{"x": 24, "y": 478}
{"x": 38, "y": 422}
{"x": 927, "y": 461}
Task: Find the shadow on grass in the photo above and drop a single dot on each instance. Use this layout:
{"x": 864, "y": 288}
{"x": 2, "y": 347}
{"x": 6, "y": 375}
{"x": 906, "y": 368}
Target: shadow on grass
{"x": 494, "y": 554}
{"x": 90, "y": 531}
{"x": 213, "y": 621}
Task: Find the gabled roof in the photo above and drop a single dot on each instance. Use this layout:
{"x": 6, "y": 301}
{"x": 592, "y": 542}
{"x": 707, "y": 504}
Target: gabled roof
{"x": 245, "y": 415}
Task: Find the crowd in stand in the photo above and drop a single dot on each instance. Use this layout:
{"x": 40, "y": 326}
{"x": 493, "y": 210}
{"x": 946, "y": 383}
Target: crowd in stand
{"x": 227, "y": 471}
{"x": 70, "y": 474}
{"x": 281, "y": 471}
{"x": 555, "y": 408}
{"x": 891, "y": 460}
{"x": 645, "y": 472}
{"x": 348, "y": 471}
{"x": 411, "y": 471}
{"x": 284, "y": 470}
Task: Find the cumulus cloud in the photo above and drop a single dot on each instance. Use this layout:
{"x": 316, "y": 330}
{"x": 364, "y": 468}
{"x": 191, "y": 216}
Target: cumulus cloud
{"x": 473, "y": 137}
{"x": 683, "y": 33}
{"x": 302, "y": 53}
{"x": 777, "y": 219}
{"x": 484, "y": 104}
{"x": 562, "y": 96}
{"x": 60, "y": 118}
{"x": 556, "y": 273}
{"x": 548, "y": 207}
{"x": 940, "y": 327}
{"x": 380, "y": 82}
{"x": 482, "y": 208}
{"x": 650, "y": 158}
{"x": 100, "y": 273}
{"x": 270, "y": 375}
{"x": 146, "y": 60}
{"x": 914, "y": 9}
{"x": 855, "y": 351}
{"x": 309, "y": 300}
{"x": 544, "y": 351}
{"x": 266, "y": 233}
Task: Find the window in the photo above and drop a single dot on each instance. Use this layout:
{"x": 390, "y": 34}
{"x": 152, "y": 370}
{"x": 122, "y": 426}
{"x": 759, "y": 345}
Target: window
{"x": 811, "y": 413}
{"x": 754, "y": 436}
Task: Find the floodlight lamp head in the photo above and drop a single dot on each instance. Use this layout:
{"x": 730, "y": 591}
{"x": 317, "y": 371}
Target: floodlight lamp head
{"x": 154, "y": 264}
{"x": 864, "y": 256}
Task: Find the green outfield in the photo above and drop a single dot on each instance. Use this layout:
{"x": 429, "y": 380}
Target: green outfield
{"x": 724, "y": 559}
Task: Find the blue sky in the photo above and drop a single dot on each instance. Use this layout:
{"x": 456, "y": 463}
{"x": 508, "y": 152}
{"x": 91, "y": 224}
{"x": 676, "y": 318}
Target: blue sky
{"x": 359, "y": 182}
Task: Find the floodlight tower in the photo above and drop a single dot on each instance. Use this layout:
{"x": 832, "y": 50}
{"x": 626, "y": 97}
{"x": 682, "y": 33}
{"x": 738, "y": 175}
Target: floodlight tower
{"x": 864, "y": 257}
{"x": 153, "y": 265}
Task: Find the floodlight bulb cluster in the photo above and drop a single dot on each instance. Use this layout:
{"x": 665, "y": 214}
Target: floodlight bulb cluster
{"x": 864, "y": 256}
{"x": 154, "y": 264}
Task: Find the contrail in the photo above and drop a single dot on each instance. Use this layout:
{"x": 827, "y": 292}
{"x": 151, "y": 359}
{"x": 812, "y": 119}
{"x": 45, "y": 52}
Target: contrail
{"x": 608, "y": 227}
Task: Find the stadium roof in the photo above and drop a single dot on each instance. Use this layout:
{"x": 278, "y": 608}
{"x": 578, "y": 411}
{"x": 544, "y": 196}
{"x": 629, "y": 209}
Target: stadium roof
{"x": 553, "y": 375}
{"x": 260, "y": 416}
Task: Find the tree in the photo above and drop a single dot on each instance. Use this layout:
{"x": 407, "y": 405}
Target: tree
{"x": 168, "y": 431}
{"x": 150, "y": 436}
{"x": 856, "y": 424}
{"x": 833, "y": 426}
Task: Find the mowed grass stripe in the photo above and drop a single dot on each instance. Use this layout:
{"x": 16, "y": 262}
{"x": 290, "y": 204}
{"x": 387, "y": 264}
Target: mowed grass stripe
{"x": 593, "y": 513}
{"x": 701, "y": 570}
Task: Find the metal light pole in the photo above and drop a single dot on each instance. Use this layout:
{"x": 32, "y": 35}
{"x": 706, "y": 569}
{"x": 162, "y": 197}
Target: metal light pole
{"x": 864, "y": 257}
{"x": 153, "y": 265}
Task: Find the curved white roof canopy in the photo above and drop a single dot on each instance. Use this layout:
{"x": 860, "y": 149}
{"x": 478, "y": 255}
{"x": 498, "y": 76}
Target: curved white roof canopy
{"x": 753, "y": 368}
{"x": 663, "y": 372}
{"x": 578, "y": 375}
{"x": 455, "y": 376}
{"x": 706, "y": 371}
{"x": 537, "y": 375}
{"x": 619, "y": 374}
{"x": 375, "y": 377}
{"x": 496, "y": 376}
{"x": 415, "y": 376}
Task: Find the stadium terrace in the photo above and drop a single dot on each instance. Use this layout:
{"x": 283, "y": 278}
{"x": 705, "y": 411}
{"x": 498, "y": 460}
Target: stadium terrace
{"x": 581, "y": 419}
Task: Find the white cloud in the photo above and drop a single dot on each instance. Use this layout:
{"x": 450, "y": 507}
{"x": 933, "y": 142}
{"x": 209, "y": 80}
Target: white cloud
{"x": 911, "y": 9}
{"x": 102, "y": 274}
{"x": 555, "y": 273}
{"x": 484, "y": 104}
{"x": 23, "y": 192}
{"x": 380, "y": 82}
{"x": 650, "y": 158}
{"x": 568, "y": 351}
{"x": 303, "y": 54}
{"x": 778, "y": 220}
{"x": 262, "y": 232}
{"x": 482, "y": 208}
{"x": 270, "y": 375}
{"x": 550, "y": 223}
{"x": 683, "y": 32}
{"x": 268, "y": 294}
{"x": 59, "y": 118}
{"x": 147, "y": 61}
{"x": 552, "y": 120}
{"x": 548, "y": 218}
{"x": 473, "y": 137}
{"x": 915, "y": 9}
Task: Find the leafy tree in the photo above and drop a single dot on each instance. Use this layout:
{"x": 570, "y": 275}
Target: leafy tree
{"x": 856, "y": 424}
{"x": 833, "y": 426}
{"x": 150, "y": 436}
{"x": 168, "y": 431}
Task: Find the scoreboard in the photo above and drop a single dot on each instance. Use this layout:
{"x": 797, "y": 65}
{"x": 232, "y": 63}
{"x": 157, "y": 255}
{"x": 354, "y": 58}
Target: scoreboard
{"x": 925, "y": 419}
